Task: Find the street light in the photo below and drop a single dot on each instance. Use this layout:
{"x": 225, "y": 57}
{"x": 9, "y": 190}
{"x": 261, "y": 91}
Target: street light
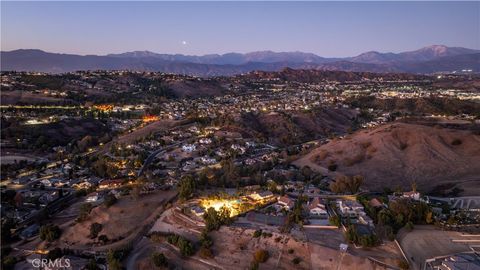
{"x": 343, "y": 251}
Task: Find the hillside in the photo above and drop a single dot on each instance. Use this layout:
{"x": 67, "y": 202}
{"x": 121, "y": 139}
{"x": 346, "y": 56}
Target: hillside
{"x": 317, "y": 76}
{"x": 398, "y": 154}
{"x": 425, "y": 60}
{"x": 283, "y": 129}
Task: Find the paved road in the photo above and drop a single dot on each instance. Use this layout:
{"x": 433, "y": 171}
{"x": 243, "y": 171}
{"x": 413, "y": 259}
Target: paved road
{"x": 139, "y": 249}
{"x": 152, "y": 156}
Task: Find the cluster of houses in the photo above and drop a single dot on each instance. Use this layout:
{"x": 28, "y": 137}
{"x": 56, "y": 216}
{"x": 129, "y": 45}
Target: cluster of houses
{"x": 354, "y": 211}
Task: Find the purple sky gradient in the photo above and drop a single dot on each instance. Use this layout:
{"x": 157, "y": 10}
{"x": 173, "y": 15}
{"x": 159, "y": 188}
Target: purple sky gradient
{"x": 330, "y": 29}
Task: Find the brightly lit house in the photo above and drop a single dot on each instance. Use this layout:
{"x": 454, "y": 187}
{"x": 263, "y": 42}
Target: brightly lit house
{"x": 261, "y": 196}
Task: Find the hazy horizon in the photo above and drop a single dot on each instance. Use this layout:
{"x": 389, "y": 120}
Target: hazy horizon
{"x": 328, "y": 29}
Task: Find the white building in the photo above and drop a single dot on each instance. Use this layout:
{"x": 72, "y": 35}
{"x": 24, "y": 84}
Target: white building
{"x": 349, "y": 208}
{"x": 412, "y": 195}
{"x": 189, "y": 148}
{"x": 92, "y": 198}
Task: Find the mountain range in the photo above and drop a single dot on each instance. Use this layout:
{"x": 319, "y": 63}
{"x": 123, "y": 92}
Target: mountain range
{"x": 431, "y": 59}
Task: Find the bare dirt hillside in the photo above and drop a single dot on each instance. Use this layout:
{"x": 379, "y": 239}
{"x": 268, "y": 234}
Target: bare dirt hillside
{"x": 120, "y": 221}
{"x": 395, "y": 155}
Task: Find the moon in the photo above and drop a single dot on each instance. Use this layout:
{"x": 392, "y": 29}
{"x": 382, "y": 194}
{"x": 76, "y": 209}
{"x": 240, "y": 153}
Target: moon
{"x": 184, "y": 42}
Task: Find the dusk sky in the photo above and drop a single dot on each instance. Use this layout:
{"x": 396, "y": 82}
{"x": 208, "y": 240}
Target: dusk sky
{"x": 325, "y": 28}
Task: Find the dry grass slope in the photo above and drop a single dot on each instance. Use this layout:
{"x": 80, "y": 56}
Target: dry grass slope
{"x": 397, "y": 154}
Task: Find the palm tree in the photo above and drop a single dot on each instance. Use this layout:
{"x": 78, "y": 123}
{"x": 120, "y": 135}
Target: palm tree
{"x": 414, "y": 186}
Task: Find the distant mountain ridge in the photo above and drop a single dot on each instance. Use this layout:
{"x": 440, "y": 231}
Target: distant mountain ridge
{"x": 231, "y": 58}
{"x": 423, "y": 54}
{"x": 436, "y": 58}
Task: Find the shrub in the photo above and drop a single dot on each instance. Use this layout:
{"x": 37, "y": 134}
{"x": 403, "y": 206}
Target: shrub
{"x": 110, "y": 200}
{"x": 345, "y": 183}
{"x": 113, "y": 261}
{"x": 332, "y": 166}
{"x": 156, "y": 237}
{"x": 55, "y": 254}
{"x": 185, "y": 246}
{"x": 257, "y": 233}
{"x": 49, "y": 233}
{"x": 334, "y": 220}
{"x": 409, "y": 226}
{"x": 290, "y": 251}
{"x": 296, "y": 260}
{"x": 260, "y": 256}
{"x": 173, "y": 239}
{"x": 403, "y": 265}
{"x": 103, "y": 238}
{"x": 368, "y": 240}
{"x": 205, "y": 240}
{"x": 81, "y": 193}
{"x": 9, "y": 263}
{"x": 95, "y": 228}
{"x": 159, "y": 260}
{"x": 456, "y": 142}
{"x": 265, "y": 234}
{"x": 205, "y": 253}
{"x": 85, "y": 209}
{"x": 92, "y": 265}
{"x": 359, "y": 157}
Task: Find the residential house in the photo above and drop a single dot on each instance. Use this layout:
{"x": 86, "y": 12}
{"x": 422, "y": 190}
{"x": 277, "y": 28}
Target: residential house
{"x": 261, "y": 196}
{"x": 189, "y": 148}
{"x": 286, "y": 202}
{"x": 412, "y": 195}
{"x": 48, "y": 197}
{"x": 317, "y": 208}
{"x": 375, "y": 203}
{"x": 93, "y": 198}
{"x": 349, "y": 208}
{"x": 115, "y": 183}
{"x": 363, "y": 218}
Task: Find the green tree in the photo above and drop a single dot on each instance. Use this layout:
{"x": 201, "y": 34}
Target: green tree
{"x": 409, "y": 226}
{"x": 8, "y": 263}
{"x": 95, "y": 228}
{"x": 110, "y": 200}
{"x": 159, "y": 260}
{"x": 92, "y": 265}
{"x": 50, "y": 232}
{"x": 214, "y": 219}
{"x": 85, "y": 210}
{"x": 205, "y": 239}
{"x": 185, "y": 246}
{"x": 186, "y": 187}
{"x": 335, "y": 221}
{"x": 113, "y": 261}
